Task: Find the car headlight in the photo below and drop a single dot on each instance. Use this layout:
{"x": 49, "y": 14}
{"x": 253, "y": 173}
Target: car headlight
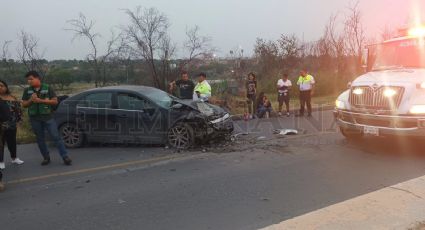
{"x": 339, "y": 104}
{"x": 390, "y": 92}
{"x": 422, "y": 86}
{"x": 417, "y": 109}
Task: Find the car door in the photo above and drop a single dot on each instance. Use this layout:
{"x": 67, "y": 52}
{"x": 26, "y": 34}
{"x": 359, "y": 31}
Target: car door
{"x": 142, "y": 119}
{"x": 96, "y": 117}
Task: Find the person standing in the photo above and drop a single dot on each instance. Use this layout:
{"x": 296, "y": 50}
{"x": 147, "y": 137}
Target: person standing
{"x": 283, "y": 87}
{"x": 40, "y": 98}
{"x": 306, "y": 85}
{"x": 10, "y": 126}
{"x": 203, "y": 88}
{"x": 4, "y": 117}
{"x": 185, "y": 86}
{"x": 251, "y": 92}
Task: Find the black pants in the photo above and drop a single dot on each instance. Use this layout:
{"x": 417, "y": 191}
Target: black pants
{"x": 9, "y": 138}
{"x": 305, "y": 99}
{"x": 1, "y": 147}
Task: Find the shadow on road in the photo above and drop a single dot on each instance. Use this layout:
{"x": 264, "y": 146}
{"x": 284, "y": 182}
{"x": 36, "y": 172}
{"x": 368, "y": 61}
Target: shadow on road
{"x": 390, "y": 146}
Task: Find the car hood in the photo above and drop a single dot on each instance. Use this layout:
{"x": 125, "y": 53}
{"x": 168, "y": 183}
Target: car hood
{"x": 205, "y": 108}
{"x": 391, "y": 77}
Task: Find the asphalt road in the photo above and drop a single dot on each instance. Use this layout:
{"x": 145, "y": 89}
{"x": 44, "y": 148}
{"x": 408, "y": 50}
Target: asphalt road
{"x": 260, "y": 180}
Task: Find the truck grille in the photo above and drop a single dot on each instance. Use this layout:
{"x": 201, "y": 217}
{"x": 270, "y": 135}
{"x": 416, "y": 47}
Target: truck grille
{"x": 374, "y": 98}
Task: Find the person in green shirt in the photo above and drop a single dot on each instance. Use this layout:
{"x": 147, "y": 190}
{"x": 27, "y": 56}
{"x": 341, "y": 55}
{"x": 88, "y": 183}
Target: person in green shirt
{"x": 203, "y": 88}
{"x": 40, "y": 99}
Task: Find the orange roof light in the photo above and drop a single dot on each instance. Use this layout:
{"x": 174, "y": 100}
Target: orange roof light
{"x": 417, "y": 32}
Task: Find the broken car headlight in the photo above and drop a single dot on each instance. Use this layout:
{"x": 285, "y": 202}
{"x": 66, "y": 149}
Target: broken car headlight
{"x": 225, "y": 117}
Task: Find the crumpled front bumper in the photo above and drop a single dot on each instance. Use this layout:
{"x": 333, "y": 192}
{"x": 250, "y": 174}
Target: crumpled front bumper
{"x": 388, "y": 125}
{"x": 221, "y": 127}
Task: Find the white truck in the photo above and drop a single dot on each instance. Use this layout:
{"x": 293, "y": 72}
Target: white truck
{"x": 389, "y": 99}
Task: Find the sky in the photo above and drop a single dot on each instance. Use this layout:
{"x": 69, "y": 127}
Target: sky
{"x": 230, "y": 23}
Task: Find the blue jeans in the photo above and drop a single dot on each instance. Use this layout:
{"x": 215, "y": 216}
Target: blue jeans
{"x": 39, "y": 128}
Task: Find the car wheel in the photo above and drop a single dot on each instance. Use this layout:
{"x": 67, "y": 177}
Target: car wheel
{"x": 71, "y": 135}
{"x": 351, "y": 134}
{"x": 181, "y": 136}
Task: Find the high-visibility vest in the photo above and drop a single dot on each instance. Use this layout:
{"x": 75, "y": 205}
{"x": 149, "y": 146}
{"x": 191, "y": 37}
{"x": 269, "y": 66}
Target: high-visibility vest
{"x": 306, "y": 82}
{"x": 36, "y": 109}
{"x": 203, "y": 88}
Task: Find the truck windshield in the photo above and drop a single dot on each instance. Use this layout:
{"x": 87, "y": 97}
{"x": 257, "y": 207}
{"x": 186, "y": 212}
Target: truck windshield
{"x": 409, "y": 53}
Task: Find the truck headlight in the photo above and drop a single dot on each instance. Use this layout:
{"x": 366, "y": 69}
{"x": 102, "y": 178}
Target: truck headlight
{"x": 358, "y": 91}
{"x": 339, "y": 104}
{"x": 389, "y": 92}
{"x": 417, "y": 109}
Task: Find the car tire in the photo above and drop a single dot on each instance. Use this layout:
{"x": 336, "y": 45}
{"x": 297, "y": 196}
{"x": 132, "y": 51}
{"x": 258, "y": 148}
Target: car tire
{"x": 181, "y": 136}
{"x": 351, "y": 134}
{"x": 71, "y": 135}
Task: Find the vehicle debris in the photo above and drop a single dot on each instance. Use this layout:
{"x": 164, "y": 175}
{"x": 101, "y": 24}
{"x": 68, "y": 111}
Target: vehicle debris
{"x": 286, "y": 132}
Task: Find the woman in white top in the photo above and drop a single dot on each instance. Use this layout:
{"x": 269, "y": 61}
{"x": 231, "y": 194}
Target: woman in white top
{"x": 283, "y": 87}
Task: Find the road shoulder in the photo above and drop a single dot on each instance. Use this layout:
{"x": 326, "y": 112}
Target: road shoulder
{"x": 401, "y": 206}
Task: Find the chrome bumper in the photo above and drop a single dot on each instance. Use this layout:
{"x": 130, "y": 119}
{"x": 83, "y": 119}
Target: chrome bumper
{"x": 396, "y": 125}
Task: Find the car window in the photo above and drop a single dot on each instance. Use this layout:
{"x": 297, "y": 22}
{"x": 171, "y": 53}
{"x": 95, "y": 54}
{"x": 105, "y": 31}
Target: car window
{"x": 97, "y": 100}
{"x": 132, "y": 102}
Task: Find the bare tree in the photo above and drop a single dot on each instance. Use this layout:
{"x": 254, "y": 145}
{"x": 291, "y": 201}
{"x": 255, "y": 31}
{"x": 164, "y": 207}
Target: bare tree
{"x": 355, "y": 32}
{"x": 166, "y": 53}
{"x": 6, "y": 57}
{"x": 198, "y": 46}
{"x": 29, "y": 54}
{"x": 83, "y": 28}
{"x": 147, "y": 29}
{"x": 290, "y": 49}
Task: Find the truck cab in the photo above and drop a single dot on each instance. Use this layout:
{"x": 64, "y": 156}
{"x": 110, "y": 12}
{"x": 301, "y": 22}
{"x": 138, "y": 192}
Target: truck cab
{"x": 389, "y": 99}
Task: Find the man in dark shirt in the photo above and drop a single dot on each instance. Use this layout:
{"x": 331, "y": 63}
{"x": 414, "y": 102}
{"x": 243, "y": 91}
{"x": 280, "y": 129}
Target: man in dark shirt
{"x": 185, "y": 86}
{"x": 40, "y": 99}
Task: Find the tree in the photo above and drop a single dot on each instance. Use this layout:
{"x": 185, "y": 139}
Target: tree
{"x": 147, "y": 33}
{"x": 60, "y": 77}
{"x": 197, "y": 46}
{"x": 289, "y": 51}
{"x": 266, "y": 53}
{"x": 355, "y": 33}
{"x": 83, "y": 28}
{"x": 6, "y": 59}
{"x": 29, "y": 54}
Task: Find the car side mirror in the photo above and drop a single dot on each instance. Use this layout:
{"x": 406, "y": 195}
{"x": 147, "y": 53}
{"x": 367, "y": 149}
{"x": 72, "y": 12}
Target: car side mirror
{"x": 177, "y": 106}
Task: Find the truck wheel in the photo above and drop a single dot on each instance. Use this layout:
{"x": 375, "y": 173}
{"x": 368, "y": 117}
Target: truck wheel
{"x": 181, "y": 136}
{"x": 351, "y": 134}
{"x": 71, "y": 135}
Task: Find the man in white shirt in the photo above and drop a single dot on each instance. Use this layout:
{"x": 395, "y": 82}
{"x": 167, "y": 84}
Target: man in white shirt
{"x": 283, "y": 87}
{"x": 306, "y": 84}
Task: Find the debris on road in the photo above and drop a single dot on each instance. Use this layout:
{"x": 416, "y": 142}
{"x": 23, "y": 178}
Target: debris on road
{"x": 286, "y": 132}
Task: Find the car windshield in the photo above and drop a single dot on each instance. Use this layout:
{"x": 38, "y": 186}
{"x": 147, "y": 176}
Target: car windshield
{"x": 409, "y": 53}
{"x": 159, "y": 97}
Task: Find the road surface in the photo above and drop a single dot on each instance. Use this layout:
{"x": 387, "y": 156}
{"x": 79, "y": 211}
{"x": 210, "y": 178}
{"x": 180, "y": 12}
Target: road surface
{"x": 260, "y": 180}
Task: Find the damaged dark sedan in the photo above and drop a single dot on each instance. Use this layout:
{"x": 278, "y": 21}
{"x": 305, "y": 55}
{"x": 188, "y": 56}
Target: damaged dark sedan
{"x": 139, "y": 114}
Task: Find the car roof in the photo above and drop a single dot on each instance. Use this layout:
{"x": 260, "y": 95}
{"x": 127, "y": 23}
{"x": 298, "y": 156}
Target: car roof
{"x": 135, "y": 88}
